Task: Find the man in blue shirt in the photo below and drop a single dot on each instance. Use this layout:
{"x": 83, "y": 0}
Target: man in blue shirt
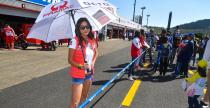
{"x": 185, "y": 55}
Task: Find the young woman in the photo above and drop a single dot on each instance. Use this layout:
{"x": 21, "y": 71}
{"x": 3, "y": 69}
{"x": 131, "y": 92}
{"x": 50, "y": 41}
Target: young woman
{"x": 82, "y": 57}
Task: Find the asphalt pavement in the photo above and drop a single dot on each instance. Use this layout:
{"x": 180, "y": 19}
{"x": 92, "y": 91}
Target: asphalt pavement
{"x": 53, "y": 90}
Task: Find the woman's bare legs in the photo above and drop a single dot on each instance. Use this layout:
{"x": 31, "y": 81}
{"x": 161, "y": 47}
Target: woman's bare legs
{"x": 76, "y": 95}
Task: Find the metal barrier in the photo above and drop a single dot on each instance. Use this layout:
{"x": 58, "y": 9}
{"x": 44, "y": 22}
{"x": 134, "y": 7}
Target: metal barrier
{"x": 108, "y": 83}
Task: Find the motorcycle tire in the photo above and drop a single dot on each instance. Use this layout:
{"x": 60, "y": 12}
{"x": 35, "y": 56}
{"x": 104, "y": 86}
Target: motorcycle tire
{"x": 53, "y": 48}
{"x": 24, "y": 45}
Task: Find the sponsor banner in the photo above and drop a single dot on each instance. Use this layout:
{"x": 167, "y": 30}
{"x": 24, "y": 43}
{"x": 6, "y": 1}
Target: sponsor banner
{"x": 101, "y": 17}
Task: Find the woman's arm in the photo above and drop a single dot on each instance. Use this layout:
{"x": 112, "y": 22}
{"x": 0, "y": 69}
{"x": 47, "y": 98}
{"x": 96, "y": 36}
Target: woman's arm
{"x": 14, "y": 32}
{"x": 70, "y": 59}
{"x": 95, "y": 56}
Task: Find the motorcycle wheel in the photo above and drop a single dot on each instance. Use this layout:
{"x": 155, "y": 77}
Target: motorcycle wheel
{"x": 24, "y": 45}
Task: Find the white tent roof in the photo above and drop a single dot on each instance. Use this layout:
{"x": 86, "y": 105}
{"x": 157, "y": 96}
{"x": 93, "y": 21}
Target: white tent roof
{"x": 122, "y": 22}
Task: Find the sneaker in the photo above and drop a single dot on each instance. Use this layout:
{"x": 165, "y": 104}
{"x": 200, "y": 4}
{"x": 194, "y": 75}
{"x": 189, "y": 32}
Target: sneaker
{"x": 135, "y": 70}
{"x": 138, "y": 68}
{"x": 130, "y": 78}
{"x": 205, "y": 104}
{"x": 135, "y": 77}
{"x": 177, "y": 76}
{"x": 205, "y": 107}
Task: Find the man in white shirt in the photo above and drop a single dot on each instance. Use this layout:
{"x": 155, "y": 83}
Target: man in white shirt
{"x": 207, "y": 57}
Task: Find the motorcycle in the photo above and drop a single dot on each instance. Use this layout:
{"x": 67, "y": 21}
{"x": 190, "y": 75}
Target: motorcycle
{"x": 21, "y": 41}
{"x": 49, "y": 46}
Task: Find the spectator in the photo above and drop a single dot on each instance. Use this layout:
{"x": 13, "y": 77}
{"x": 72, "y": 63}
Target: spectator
{"x": 151, "y": 41}
{"x": 177, "y": 31}
{"x": 60, "y": 42}
{"x": 135, "y": 52}
{"x": 195, "y": 47}
{"x": 124, "y": 35}
{"x": 130, "y": 36}
{"x": 176, "y": 41}
{"x": 178, "y": 62}
{"x": 82, "y": 57}
{"x": 101, "y": 36}
{"x": 10, "y": 36}
{"x": 96, "y": 37}
{"x": 2, "y": 37}
{"x": 202, "y": 47}
{"x": 143, "y": 42}
{"x": 185, "y": 55}
{"x": 163, "y": 37}
{"x": 197, "y": 84}
{"x": 207, "y": 58}
{"x": 164, "y": 53}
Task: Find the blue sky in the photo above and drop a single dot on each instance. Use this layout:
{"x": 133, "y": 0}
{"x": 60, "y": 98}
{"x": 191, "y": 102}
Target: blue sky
{"x": 184, "y": 11}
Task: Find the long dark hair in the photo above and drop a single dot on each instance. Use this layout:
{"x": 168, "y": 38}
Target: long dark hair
{"x": 137, "y": 34}
{"x": 78, "y": 33}
{"x": 142, "y": 32}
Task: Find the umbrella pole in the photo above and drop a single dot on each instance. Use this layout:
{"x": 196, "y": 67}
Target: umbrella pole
{"x": 72, "y": 15}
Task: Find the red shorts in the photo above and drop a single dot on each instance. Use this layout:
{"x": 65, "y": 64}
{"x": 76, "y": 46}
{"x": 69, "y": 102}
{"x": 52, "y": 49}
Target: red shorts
{"x": 10, "y": 39}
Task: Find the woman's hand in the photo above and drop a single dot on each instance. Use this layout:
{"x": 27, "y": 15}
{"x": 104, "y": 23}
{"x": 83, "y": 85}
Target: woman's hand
{"x": 81, "y": 67}
{"x": 86, "y": 66}
{"x": 88, "y": 69}
{"x": 92, "y": 66}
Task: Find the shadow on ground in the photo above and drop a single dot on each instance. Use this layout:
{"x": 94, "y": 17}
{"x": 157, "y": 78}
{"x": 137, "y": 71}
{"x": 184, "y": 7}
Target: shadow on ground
{"x": 148, "y": 74}
{"x": 117, "y": 68}
{"x": 120, "y": 66}
{"x": 102, "y": 82}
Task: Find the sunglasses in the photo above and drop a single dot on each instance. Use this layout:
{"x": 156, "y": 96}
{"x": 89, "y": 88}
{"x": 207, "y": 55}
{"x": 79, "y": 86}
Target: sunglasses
{"x": 84, "y": 27}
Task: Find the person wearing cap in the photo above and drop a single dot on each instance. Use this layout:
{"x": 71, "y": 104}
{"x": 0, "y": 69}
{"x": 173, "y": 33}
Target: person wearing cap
{"x": 185, "y": 55}
{"x": 178, "y": 60}
{"x": 197, "y": 84}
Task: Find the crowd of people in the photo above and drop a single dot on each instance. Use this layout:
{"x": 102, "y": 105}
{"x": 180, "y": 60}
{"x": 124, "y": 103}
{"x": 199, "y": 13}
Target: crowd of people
{"x": 173, "y": 49}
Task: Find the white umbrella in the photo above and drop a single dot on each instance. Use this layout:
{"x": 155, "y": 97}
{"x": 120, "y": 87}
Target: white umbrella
{"x": 53, "y": 10}
{"x": 61, "y": 26}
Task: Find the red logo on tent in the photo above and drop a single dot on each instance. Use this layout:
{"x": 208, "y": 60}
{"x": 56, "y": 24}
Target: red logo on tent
{"x": 59, "y": 7}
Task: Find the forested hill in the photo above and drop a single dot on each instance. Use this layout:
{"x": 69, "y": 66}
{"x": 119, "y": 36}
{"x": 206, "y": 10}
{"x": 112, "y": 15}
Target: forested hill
{"x": 200, "y": 24}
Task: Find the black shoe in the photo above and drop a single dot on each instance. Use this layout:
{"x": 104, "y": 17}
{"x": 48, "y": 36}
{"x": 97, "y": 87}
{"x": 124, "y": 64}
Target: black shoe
{"x": 203, "y": 103}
